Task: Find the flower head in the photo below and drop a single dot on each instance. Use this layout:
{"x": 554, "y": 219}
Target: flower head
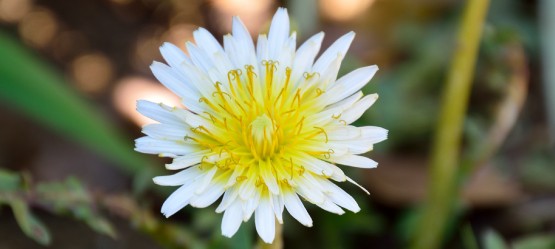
{"x": 263, "y": 125}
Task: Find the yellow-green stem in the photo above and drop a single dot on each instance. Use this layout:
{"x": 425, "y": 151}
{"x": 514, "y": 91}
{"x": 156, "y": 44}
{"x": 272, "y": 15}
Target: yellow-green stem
{"x": 445, "y": 152}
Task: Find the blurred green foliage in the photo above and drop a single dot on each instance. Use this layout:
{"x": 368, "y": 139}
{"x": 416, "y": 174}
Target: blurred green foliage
{"x": 42, "y": 94}
{"x": 493, "y": 240}
{"x": 68, "y": 197}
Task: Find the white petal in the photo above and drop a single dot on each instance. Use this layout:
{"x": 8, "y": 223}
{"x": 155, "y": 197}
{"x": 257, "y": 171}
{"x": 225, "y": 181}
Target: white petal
{"x": 150, "y": 145}
{"x": 347, "y": 102}
{"x": 329, "y": 75}
{"x": 268, "y": 176}
{"x": 169, "y": 78}
{"x": 353, "y": 146}
{"x": 173, "y": 55}
{"x": 355, "y": 161}
{"x": 296, "y": 208}
{"x": 244, "y": 43}
{"x": 264, "y": 220}
{"x": 340, "y": 197}
{"x": 199, "y": 57}
{"x": 247, "y": 188}
{"x": 305, "y": 57}
{"x": 332, "y": 113}
{"x": 203, "y": 84}
{"x": 233, "y": 178}
{"x": 179, "y": 178}
{"x": 206, "y": 41}
{"x": 166, "y": 131}
{"x": 278, "y": 34}
{"x": 262, "y": 48}
{"x": 187, "y": 160}
{"x": 241, "y": 33}
{"x": 338, "y": 47}
{"x": 209, "y": 196}
{"x": 343, "y": 132}
{"x": 232, "y": 219}
{"x": 358, "y": 185}
{"x": 315, "y": 165}
{"x": 158, "y": 112}
{"x": 277, "y": 203}
{"x": 374, "y": 133}
{"x": 250, "y": 205}
{"x": 331, "y": 207}
{"x": 178, "y": 199}
{"x": 309, "y": 191}
{"x": 355, "y": 111}
{"x": 350, "y": 83}
{"x": 195, "y": 120}
{"x": 205, "y": 181}
{"x": 230, "y": 197}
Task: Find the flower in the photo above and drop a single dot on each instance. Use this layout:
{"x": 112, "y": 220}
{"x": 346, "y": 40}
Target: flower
{"x": 262, "y": 127}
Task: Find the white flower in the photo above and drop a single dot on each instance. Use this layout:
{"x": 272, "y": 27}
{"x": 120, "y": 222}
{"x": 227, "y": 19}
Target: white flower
{"x": 263, "y": 125}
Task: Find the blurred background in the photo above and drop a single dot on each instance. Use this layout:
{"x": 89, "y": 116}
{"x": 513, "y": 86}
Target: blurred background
{"x": 71, "y": 71}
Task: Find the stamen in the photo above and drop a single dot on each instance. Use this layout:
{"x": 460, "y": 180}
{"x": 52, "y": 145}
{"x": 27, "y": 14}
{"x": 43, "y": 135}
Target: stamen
{"x": 250, "y": 77}
{"x": 301, "y": 170}
{"x": 319, "y": 92}
{"x": 298, "y": 98}
{"x": 300, "y": 125}
{"x": 205, "y": 100}
{"x": 322, "y": 131}
{"x": 307, "y": 75}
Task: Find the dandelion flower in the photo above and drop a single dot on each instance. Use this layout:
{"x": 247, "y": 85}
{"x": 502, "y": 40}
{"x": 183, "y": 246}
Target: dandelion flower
{"x": 263, "y": 125}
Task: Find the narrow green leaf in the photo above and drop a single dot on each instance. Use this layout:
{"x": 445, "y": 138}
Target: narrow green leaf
{"x": 30, "y": 225}
{"x": 35, "y": 89}
{"x": 468, "y": 238}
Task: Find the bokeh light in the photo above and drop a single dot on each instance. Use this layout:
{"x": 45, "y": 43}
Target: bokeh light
{"x": 253, "y": 13}
{"x": 179, "y": 34}
{"x": 38, "y": 27}
{"x": 343, "y": 10}
{"x": 92, "y": 72}
{"x": 130, "y": 89}
{"x": 14, "y": 10}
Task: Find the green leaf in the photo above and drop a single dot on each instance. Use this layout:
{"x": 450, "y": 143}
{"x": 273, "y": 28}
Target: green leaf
{"x": 493, "y": 240}
{"x": 468, "y": 238}
{"x": 70, "y": 196}
{"x": 35, "y": 89}
{"x": 30, "y": 225}
{"x": 535, "y": 242}
{"x": 100, "y": 225}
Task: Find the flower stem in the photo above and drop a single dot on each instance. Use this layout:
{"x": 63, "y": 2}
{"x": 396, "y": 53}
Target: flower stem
{"x": 445, "y": 151}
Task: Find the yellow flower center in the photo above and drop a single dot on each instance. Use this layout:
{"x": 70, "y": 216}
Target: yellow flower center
{"x": 264, "y": 136}
{"x": 259, "y": 123}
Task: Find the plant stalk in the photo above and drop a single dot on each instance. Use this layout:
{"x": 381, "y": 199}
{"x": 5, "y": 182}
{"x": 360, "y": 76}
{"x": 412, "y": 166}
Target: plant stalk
{"x": 445, "y": 151}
